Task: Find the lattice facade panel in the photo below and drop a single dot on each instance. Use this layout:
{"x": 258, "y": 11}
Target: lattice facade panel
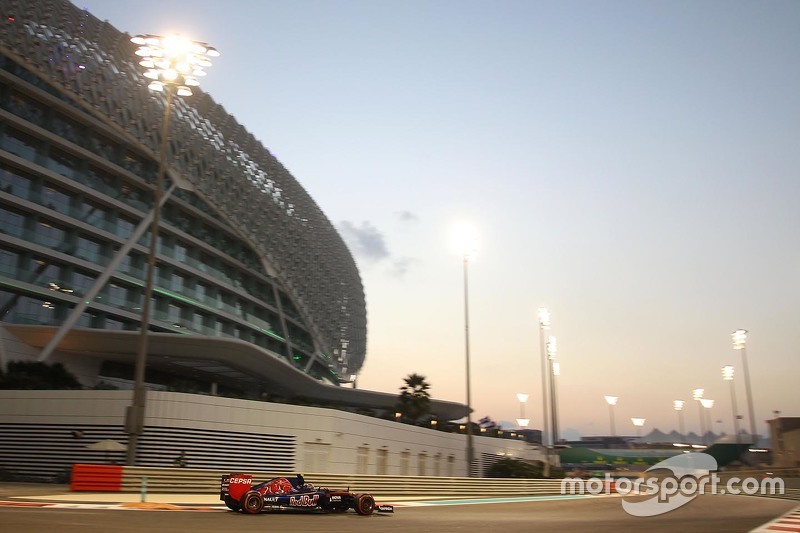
{"x": 95, "y": 64}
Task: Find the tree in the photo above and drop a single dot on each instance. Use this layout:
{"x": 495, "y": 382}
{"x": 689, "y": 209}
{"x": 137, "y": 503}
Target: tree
{"x": 415, "y": 400}
{"x": 33, "y": 375}
{"x": 508, "y": 467}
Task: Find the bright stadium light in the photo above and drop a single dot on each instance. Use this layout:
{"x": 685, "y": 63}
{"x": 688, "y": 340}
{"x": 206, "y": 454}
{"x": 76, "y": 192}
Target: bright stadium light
{"x": 678, "y": 406}
{"x": 697, "y": 394}
{"x": 522, "y": 422}
{"x": 740, "y": 343}
{"x": 612, "y": 401}
{"x": 707, "y": 404}
{"x": 466, "y": 242}
{"x": 638, "y": 422}
{"x": 727, "y": 375}
{"x": 552, "y": 349}
{"x": 544, "y": 324}
{"x": 172, "y": 64}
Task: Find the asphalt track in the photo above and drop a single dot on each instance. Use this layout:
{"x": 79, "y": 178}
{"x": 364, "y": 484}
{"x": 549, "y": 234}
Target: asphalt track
{"x": 595, "y": 514}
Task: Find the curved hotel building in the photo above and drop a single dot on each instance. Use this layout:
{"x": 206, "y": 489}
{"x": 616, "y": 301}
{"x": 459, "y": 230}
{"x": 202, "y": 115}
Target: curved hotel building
{"x": 243, "y": 251}
{"x": 256, "y": 296}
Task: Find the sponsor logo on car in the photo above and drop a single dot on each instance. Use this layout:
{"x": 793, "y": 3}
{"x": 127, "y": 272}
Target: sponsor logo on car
{"x": 304, "y": 500}
{"x": 385, "y": 508}
{"x": 238, "y": 480}
{"x": 271, "y": 499}
{"x": 336, "y": 498}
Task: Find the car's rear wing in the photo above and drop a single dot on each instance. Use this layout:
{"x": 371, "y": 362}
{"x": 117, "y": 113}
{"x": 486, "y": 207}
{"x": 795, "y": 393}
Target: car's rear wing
{"x": 234, "y": 486}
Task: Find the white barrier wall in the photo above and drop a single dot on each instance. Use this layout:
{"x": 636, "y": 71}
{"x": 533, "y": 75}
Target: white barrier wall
{"x": 43, "y": 432}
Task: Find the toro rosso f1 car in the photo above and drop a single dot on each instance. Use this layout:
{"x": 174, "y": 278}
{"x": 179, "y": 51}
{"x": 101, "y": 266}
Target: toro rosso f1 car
{"x": 240, "y": 494}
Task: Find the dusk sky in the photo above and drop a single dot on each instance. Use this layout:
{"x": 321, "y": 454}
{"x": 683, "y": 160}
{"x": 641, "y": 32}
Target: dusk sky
{"x": 634, "y": 166}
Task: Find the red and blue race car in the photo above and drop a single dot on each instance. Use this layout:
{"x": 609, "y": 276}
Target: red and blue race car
{"x": 239, "y": 494}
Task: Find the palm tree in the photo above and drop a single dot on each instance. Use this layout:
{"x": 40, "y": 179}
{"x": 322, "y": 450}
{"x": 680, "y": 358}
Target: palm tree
{"x": 415, "y": 400}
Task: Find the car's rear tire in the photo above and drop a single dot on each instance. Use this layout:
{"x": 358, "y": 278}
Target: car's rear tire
{"x": 232, "y": 504}
{"x": 252, "y": 502}
{"x": 365, "y": 504}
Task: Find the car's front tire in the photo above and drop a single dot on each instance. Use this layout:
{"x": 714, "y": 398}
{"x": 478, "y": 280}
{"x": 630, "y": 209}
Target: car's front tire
{"x": 365, "y": 504}
{"x": 252, "y": 502}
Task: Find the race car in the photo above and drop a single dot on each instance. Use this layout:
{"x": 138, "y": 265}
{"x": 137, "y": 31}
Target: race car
{"x": 239, "y": 494}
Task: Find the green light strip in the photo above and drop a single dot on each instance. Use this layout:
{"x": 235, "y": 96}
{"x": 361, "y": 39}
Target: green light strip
{"x": 48, "y": 293}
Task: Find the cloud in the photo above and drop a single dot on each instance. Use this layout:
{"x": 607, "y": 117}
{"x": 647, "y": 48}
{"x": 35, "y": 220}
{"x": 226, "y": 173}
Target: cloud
{"x": 401, "y": 266}
{"x": 407, "y": 216}
{"x": 365, "y": 241}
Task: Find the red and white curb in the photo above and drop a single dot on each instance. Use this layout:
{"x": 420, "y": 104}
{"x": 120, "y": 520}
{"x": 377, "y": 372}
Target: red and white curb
{"x": 788, "y": 522}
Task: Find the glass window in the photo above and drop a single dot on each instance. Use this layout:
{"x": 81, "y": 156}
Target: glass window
{"x": 125, "y": 227}
{"x": 24, "y": 107}
{"x": 204, "y": 292}
{"x": 174, "y": 312}
{"x": 21, "y": 144}
{"x": 113, "y": 323}
{"x": 117, "y": 295}
{"x": 243, "y": 333}
{"x": 103, "y": 147}
{"x": 207, "y": 263}
{"x": 198, "y": 321}
{"x": 264, "y": 293}
{"x": 65, "y": 127}
{"x": 62, "y": 163}
{"x": 86, "y": 320}
{"x": 93, "y": 214}
{"x": 133, "y": 264}
{"x": 179, "y": 252}
{"x": 133, "y": 163}
{"x": 125, "y": 264}
{"x": 49, "y": 234}
{"x": 81, "y": 282}
{"x": 88, "y": 249}
{"x": 101, "y": 180}
{"x": 12, "y": 222}
{"x": 134, "y": 197}
{"x": 47, "y": 274}
{"x": 56, "y": 199}
{"x": 8, "y": 262}
{"x": 226, "y": 300}
{"x": 31, "y": 311}
{"x": 178, "y": 282}
{"x": 5, "y": 298}
{"x": 15, "y": 182}
{"x": 164, "y": 244}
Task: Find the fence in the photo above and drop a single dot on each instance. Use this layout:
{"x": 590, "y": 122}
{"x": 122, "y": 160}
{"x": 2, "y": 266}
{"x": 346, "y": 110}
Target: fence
{"x": 112, "y": 478}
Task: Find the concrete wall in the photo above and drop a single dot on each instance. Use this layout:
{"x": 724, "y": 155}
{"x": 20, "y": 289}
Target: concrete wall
{"x": 789, "y": 453}
{"x": 37, "y": 436}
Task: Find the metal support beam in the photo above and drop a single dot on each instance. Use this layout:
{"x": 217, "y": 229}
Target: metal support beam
{"x": 100, "y": 282}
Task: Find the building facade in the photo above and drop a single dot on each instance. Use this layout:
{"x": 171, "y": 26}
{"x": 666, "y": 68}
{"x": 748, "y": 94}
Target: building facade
{"x": 38, "y": 441}
{"x": 244, "y": 253}
{"x": 784, "y": 432}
